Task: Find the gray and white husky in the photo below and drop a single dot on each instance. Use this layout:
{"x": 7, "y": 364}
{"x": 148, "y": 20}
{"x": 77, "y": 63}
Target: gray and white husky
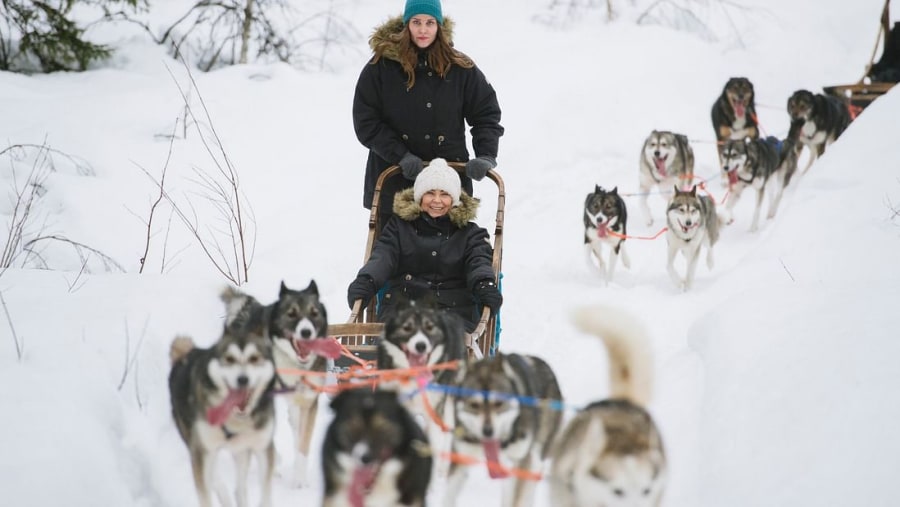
{"x": 611, "y": 453}
{"x": 667, "y": 160}
{"x": 504, "y": 415}
{"x": 417, "y": 335}
{"x": 692, "y": 223}
{"x": 296, "y": 325}
{"x": 749, "y": 164}
{"x": 222, "y": 400}
{"x": 605, "y": 223}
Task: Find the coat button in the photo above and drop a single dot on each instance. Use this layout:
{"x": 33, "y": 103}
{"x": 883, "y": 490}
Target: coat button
{"x": 434, "y": 254}
{"x": 440, "y": 139}
{"x": 408, "y": 277}
{"x": 427, "y": 136}
{"x": 428, "y": 105}
{"x": 405, "y": 137}
{"x": 429, "y": 73}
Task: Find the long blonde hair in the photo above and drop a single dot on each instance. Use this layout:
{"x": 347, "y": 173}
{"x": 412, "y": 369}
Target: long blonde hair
{"x": 440, "y": 54}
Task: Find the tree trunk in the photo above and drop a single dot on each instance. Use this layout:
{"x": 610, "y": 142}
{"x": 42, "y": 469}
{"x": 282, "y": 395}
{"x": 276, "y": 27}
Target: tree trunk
{"x": 245, "y": 31}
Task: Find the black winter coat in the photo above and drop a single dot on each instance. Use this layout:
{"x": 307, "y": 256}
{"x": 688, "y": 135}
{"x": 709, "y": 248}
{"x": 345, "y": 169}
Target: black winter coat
{"x": 444, "y": 258}
{"x": 428, "y": 119}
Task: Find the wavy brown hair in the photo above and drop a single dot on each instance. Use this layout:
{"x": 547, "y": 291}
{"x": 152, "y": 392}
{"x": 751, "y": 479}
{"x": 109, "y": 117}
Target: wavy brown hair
{"x": 440, "y": 54}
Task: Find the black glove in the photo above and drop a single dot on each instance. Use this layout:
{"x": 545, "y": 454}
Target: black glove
{"x": 361, "y": 288}
{"x": 489, "y": 295}
{"x": 477, "y": 168}
{"x": 411, "y": 166}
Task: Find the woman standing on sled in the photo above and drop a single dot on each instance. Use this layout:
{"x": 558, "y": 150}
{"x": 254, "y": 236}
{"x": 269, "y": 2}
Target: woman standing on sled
{"x": 413, "y": 99}
{"x": 430, "y": 248}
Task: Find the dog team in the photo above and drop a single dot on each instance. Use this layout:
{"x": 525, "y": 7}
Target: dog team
{"x": 746, "y": 162}
{"x": 386, "y": 445}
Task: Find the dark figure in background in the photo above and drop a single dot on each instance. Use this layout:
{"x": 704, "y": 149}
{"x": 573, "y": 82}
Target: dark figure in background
{"x": 887, "y": 70}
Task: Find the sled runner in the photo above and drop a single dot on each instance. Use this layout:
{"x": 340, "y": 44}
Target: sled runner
{"x": 362, "y": 329}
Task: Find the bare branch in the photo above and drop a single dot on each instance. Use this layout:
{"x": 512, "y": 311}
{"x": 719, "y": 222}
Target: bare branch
{"x": 20, "y": 346}
{"x": 108, "y": 262}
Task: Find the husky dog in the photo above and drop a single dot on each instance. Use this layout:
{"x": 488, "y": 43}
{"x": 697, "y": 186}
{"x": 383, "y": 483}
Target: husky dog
{"x": 611, "y": 453}
{"x": 692, "y": 222}
{"x": 734, "y": 113}
{"x": 816, "y": 121}
{"x": 749, "y": 163}
{"x": 667, "y": 160}
{"x": 374, "y": 453}
{"x": 296, "y": 324}
{"x": 222, "y": 400}
{"x": 415, "y": 336}
{"x": 605, "y": 220}
{"x": 503, "y": 413}
{"x": 787, "y": 166}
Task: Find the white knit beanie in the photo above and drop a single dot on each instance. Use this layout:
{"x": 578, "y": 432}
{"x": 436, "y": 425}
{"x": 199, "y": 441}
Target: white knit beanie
{"x": 437, "y": 176}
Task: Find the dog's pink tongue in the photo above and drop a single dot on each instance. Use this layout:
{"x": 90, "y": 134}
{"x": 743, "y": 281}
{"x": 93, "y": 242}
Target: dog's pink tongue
{"x": 602, "y": 232}
{"x": 660, "y": 164}
{"x": 732, "y": 177}
{"x": 492, "y": 455}
{"x": 326, "y": 347}
{"x": 361, "y": 484}
{"x": 217, "y": 415}
{"x": 739, "y": 110}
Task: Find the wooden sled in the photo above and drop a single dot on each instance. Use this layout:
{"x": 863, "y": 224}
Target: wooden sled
{"x": 362, "y": 329}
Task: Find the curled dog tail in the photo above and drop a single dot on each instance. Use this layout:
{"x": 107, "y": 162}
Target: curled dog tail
{"x": 628, "y": 346}
{"x": 180, "y": 347}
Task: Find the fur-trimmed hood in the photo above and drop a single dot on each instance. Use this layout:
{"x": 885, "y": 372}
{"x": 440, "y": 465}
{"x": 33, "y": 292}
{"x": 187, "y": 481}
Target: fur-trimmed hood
{"x": 380, "y": 41}
{"x": 408, "y": 209}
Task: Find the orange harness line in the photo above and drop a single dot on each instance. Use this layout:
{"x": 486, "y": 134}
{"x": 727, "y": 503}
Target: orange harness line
{"x": 464, "y": 459}
{"x": 628, "y": 236}
{"x": 422, "y": 380}
{"x": 379, "y": 375}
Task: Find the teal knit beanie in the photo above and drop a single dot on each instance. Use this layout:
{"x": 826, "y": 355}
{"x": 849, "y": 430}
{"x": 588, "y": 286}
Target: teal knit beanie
{"x": 430, "y": 7}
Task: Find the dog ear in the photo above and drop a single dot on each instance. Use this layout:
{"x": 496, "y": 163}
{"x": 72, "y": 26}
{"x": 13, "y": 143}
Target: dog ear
{"x": 615, "y": 190}
{"x": 694, "y": 191}
{"x": 312, "y": 287}
{"x": 597, "y": 188}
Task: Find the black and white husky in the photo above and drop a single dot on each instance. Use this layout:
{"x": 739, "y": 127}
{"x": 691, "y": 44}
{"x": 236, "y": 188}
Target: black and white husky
{"x": 420, "y": 336}
{"x": 817, "y": 120}
{"x": 667, "y": 160}
{"x": 611, "y": 453}
{"x": 296, "y": 324}
{"x": 374, "y": 453}
{"x": 222, "y": 400}
{"x": 504, "y": 416}
{"x": 605, "y": 223}
{"x": 692, "y": 223}
{"x": 749, "y": 164}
